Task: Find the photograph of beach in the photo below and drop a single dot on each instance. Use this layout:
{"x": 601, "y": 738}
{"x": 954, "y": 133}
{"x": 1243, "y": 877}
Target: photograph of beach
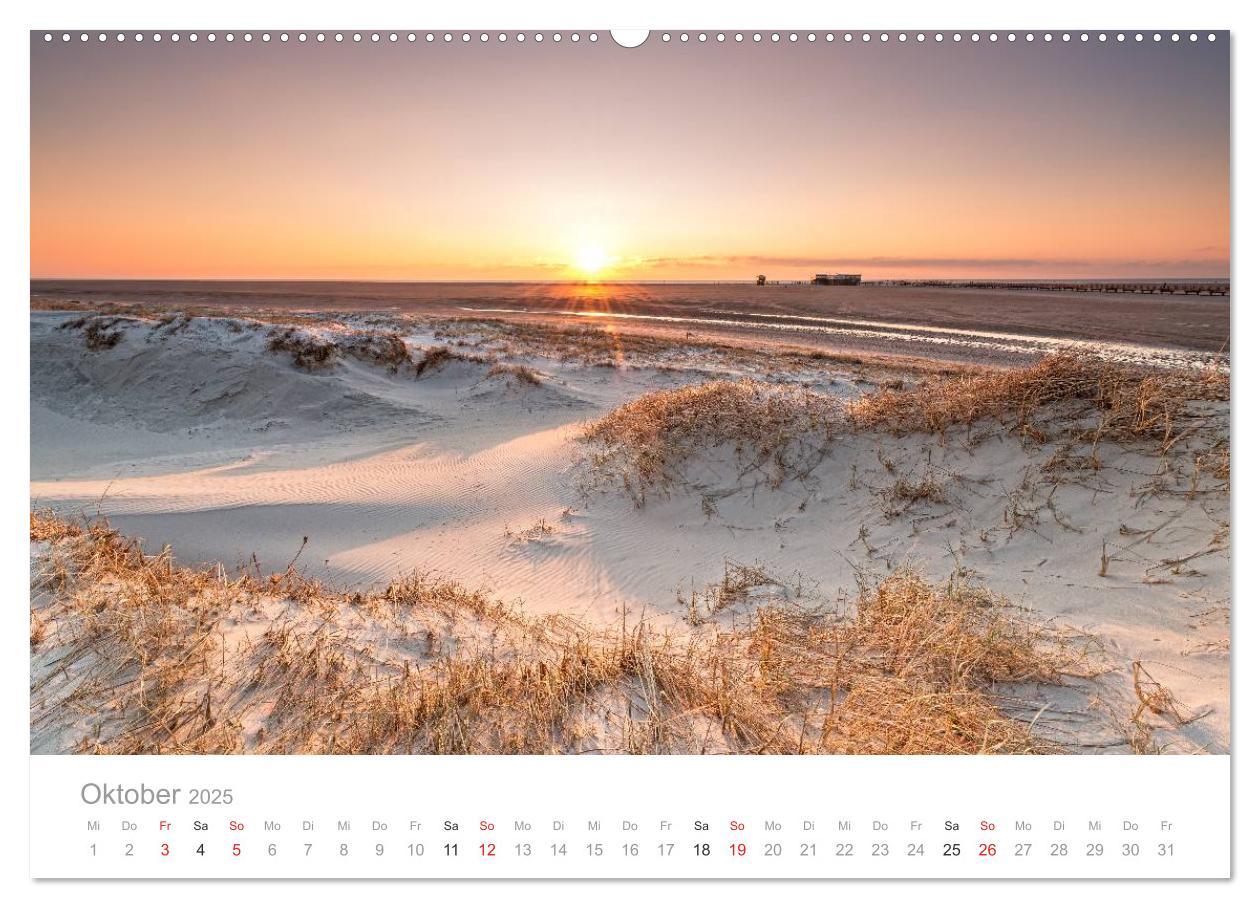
{"x": 735, "y": 397}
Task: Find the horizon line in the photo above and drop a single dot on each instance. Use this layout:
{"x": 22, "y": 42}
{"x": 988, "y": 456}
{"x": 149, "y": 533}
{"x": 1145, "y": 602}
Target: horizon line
{"x": 577, "y": 280}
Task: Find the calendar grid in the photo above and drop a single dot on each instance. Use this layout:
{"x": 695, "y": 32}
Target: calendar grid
{"x": 549, "y": 817}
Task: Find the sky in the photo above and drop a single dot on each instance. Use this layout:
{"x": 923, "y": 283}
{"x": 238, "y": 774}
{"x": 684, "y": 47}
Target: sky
{"x": 668, "y": 161}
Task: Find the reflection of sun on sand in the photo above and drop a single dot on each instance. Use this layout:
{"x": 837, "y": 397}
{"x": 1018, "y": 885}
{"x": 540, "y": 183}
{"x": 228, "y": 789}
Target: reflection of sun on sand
{"x": 680, "y": 548}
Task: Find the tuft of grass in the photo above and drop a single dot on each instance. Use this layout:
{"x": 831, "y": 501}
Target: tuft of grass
{"x": 536, "y": 532}
{"x": 435, "y": 358}
{"x": 1156, "y": 706}
{"x": 738, "y": 580}
{"x": 1116, "y": 402}
{"x": 778, "y": 432}
{"x": 308, "y": 351}
{"x": 100, "y": 332}
{"x": 954, "y": 635}
{"x": 46, "y": 526}
{"x": 1215, "y": 462}
{"x": 97, "y": 337}
{"x": 522, "y": 375}
{"x": 380, "y": 348}
{"x": 908, "y": 490}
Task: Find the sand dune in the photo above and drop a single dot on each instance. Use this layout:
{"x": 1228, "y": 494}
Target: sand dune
{"x": 197, "y": 434}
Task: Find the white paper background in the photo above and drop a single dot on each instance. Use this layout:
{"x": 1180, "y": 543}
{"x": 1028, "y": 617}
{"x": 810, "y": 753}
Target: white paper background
{"x": 573, "y": 14}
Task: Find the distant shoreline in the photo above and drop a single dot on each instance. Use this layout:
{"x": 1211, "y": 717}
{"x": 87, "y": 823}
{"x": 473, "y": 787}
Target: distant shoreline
{"x": 52, "y": 283}
{"x": 832, "y": 316}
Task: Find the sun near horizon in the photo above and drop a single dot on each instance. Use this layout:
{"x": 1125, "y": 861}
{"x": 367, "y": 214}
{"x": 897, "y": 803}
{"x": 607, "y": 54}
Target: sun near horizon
{"x": 204, "y": 161}
{"x": 592, "y": 262}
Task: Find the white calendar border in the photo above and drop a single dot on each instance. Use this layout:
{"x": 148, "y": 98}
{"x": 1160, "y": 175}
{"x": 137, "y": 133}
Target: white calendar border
{"x": 1075, "y": 14}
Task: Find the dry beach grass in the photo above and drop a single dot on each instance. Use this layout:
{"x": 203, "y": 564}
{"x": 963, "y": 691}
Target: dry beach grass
{"x": 783, "y": 430}
{"x": 1073, "y": 484}
{"x": 780, "y": 431}
{"x": 141, "y": 655}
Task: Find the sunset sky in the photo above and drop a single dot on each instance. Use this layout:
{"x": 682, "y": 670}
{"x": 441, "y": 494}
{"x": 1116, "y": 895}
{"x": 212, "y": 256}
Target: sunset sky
{"x": 668, "y": 161}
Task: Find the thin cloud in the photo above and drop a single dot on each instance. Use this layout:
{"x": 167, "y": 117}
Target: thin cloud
{"x": 883, "y": 262}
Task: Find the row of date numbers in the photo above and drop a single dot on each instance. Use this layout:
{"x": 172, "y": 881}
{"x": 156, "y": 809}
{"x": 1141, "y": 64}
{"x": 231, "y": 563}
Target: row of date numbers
{"x": 667, "y": 849}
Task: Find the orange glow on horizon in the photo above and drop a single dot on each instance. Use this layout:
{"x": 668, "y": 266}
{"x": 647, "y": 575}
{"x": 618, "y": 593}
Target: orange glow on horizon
{"x": 325, "y": 163}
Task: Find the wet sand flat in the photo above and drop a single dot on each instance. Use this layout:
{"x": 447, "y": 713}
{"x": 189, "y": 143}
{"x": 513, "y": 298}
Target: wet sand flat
{"x": 1199, "y": 324}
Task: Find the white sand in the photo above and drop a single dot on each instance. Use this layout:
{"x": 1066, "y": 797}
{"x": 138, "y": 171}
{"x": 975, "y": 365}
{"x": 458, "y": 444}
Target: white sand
{"x": 200, "y": 438}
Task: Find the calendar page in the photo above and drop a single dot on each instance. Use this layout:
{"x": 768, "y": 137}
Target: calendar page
{"x": 718, "y": 453}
